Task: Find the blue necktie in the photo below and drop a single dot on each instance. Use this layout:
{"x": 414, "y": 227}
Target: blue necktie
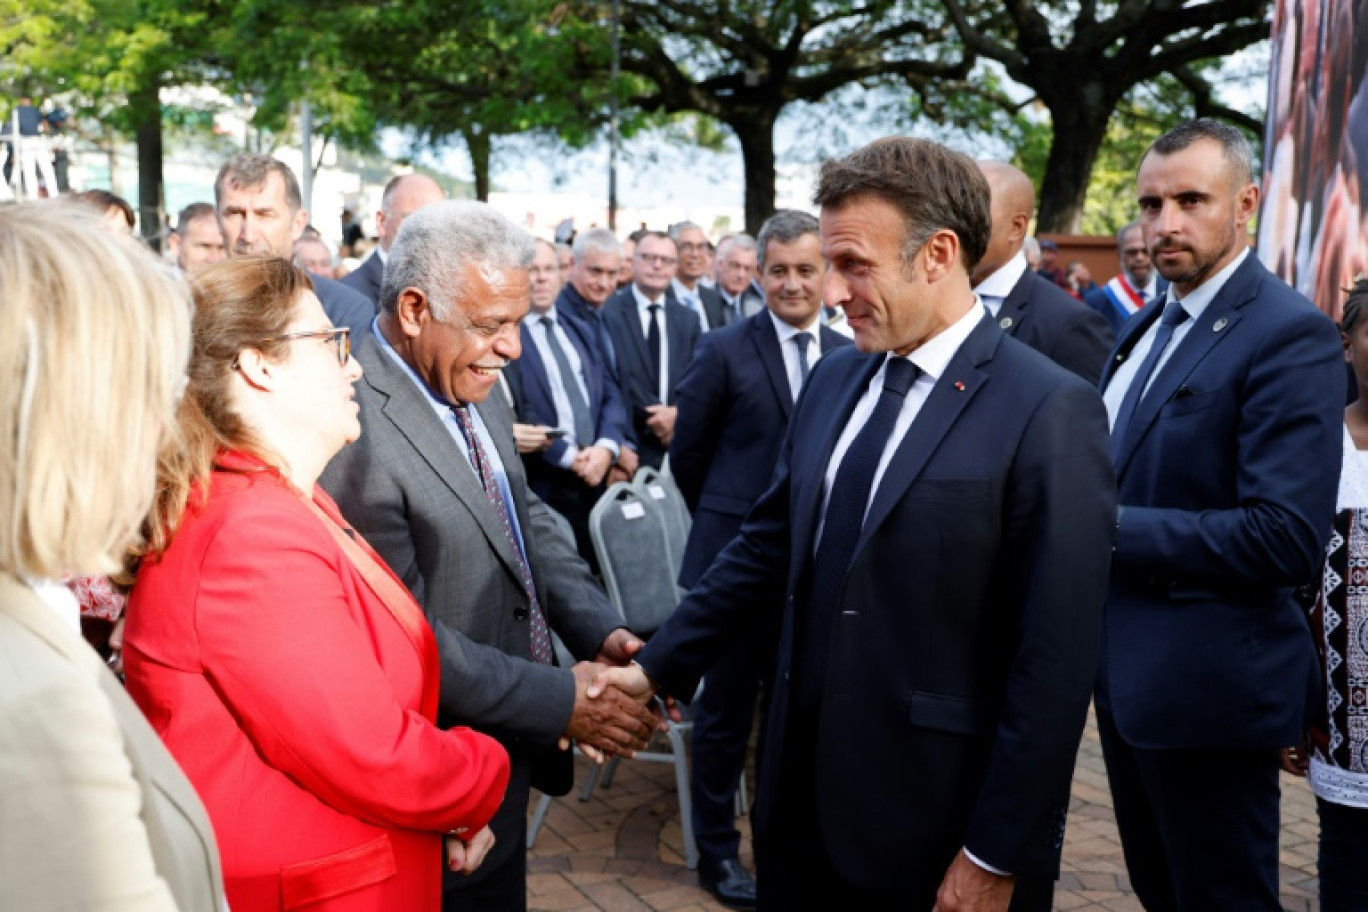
{"x": 845, "y": 514}
{"x": 1173, "y": 317}
{"x": 803, "y": 340}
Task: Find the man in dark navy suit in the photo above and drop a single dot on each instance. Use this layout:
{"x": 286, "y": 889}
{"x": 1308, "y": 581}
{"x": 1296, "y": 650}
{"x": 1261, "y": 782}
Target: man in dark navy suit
{"x": 1136, "y": 285}
{"x": 403, "y": 196}
{"x": 734, "y": 404}
{"x": 1226, "y": 405}
{"x": 653, "y": 339}
{"x": 561, "y": 384}
{"x": 936, "y": 543}
{"x": 1025, "y": 304}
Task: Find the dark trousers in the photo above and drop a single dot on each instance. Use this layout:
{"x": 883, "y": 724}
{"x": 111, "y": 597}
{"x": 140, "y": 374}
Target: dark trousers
{"x": 722, "y": 725}
{"x": 1199, "y": 828}
{"x": 793, "y": 872}
{"x": 1343, "y": 860}
{"x": 500, "y": 890}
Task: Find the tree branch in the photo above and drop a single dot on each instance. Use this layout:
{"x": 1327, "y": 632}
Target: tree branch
{"x": 1205, "y": 105}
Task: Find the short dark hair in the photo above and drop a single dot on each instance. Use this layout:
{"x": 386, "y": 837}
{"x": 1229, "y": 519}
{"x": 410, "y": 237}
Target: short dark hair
{"x": 251, "y": 170}
{"x": 785, "y": 226}
{"x": 193, "y": 212}
{"x": 102, "y": 201}
{"x": 1238, "y": 152}
{"x": 933, "y": 187}
{"x": 1354, "y": 305}
{"x": 659, "y": 235}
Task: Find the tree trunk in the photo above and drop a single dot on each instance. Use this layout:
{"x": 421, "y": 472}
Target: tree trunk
{"x": 146, "y": 102}
{"x": 756, "y": 133}
{"x": 478, "y": 145}
{"x": 1079, "y": 120}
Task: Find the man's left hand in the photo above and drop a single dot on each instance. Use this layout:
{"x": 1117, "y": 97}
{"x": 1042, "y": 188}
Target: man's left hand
{"x": 662, "y": 421}
{"x": 618, "y": 647}
{"x": 592, "y": 463}
{"x": 969, "y": 888}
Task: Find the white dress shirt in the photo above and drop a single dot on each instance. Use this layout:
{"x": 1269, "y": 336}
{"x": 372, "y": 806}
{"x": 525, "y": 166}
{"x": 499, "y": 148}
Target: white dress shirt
{"x": 692, "y": 299}
{"x": 643, "y": 304}
{"x": 995, "y": 289}
{"x": 60, "y": 599}
{"x": 1195, "y": 304}
{"x": 565, "y": 415}
{"x": 789, "y": 349}
{"x": 932, "y": 359}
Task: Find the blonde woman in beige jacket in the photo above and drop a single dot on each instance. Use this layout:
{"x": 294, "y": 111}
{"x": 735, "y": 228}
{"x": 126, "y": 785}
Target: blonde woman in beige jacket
{"x": 94, "y": 337}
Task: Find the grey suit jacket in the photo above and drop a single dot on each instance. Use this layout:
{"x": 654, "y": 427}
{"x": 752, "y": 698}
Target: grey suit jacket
{"x": 94, "y": 813}
{"x": 407, "y": 487}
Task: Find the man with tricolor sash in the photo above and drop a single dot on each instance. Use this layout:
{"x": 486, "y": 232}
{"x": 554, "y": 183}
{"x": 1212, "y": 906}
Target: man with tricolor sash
{"x": 1135, "y": 286}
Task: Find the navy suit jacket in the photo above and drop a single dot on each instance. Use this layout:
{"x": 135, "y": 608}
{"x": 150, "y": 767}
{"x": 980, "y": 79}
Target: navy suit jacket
{"x": 964, "y": 646}
{"x": 367, "y": 278}
{"x": 344, "y": 306}
{"x": 1098, "y": 300}
{"x": 1044, "y": 316}
{"x": 734, "y": 407}
{"x": 1227, "y": 482}
{"x": 532, "y": 387}
{"x": 712, "y": 305}
{"x": 634, "y": 362}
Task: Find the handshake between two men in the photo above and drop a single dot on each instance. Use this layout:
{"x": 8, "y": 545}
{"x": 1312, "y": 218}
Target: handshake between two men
{"x": 613, "y": 713}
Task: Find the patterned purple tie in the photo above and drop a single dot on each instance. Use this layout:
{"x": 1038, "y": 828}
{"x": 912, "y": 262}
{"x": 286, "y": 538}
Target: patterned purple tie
{"x": 541, "y": 634}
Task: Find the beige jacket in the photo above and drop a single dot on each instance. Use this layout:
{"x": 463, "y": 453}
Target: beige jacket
{"x": 94, "y": 813}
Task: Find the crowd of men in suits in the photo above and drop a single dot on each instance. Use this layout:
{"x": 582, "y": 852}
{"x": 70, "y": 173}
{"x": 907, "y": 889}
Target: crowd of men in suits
{"x": 928, "y": 522}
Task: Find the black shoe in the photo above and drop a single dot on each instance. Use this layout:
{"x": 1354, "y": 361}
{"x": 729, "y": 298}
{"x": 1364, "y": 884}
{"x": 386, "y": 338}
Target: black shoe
{"x": 729, "y": 882}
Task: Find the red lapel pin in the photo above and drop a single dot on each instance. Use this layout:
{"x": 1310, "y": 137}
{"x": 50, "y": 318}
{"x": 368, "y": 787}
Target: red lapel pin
{"x": 959, "y": 385}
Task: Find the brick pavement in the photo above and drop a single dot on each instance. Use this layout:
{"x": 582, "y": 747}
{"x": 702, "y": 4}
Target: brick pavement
{"x": 622, "y": 851}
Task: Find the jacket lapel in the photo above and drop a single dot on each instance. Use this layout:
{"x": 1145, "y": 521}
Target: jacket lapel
{"x": 1216, "y": 323}
{"x": 407, "y": 408}
{"x": 1014, "y": 306}
{"x": 955, "y": 389}
{"x": 624, "y": 313}
{"x": 1131, "y": 332}
{"x": 766, "y": 341}
{"x": 533, "y": 370}
{"x": 677, "y": 321}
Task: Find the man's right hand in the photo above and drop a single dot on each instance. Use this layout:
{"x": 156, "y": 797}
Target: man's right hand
{"x": 611, "y": 721}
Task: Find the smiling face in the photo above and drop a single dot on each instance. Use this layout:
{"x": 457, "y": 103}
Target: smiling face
{"x": 885, "y": 301}
{"x": 1194, "y": 213}
{"x": 692, "y": 251}
{"x": 595, "y": 275}
{"x": 460, "y": 359}
{"x": 792, "y": 278}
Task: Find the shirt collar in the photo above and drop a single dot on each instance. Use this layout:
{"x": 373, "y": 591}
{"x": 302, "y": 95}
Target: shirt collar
{"x": 934, "y": 355}
{"x": 536, "y": 318}
{"x": 1001, "y": 283}
{"x": 787, "y": 332}
{"x": 1197, "y": 300}
{"x": 438, "y": 404}
{"x": 683, "y": 291}
{"x": 642, "y": 301}
{"x": 380, "y": 252}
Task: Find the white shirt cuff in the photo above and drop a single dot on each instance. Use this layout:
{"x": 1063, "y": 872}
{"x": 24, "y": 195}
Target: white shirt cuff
{"x": 610, "y": 445}
{"x": 568, "y": 455}
{"x": 987, "y": 867}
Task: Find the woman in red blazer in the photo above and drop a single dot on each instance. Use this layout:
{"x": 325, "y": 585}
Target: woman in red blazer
{"x": 288, "y": 671}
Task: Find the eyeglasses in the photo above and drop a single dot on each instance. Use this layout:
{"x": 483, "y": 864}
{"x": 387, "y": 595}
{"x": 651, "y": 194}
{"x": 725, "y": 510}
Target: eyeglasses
{"x": 338, "y": 337}
{"x": 657, "y": 259}
{"x": 693, "y": 248}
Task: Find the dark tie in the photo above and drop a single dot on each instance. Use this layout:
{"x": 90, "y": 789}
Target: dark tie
{"x": 579, "y": 408}
{"x": 1173, "y": 317}
{"x": 541, "y": 634}
{"x": 653, "y": 343}
{"x": 729, "y": 310}
{"x": 845, "y": 515}
{"x": 803, "y": 340}
{"x": 605, "y": 341}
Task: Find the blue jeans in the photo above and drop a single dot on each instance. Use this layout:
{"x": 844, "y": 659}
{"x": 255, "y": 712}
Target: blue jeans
{"x": 1343, "y": 857}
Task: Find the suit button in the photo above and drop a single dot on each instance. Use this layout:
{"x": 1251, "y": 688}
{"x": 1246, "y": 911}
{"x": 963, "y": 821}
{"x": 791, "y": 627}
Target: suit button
{"x": 520, "y": 613}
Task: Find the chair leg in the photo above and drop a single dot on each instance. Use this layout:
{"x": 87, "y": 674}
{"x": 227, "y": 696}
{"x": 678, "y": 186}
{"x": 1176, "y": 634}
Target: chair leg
{"x": 538, "y": 818}
{"x": 609, "y": 769}
{"x": 588, "y": 791}
{"x": 681, "y": 767}
{"x": 742, "y": 801}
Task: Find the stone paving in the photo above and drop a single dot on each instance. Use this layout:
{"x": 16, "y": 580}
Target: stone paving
{"x": 623, "y": 850}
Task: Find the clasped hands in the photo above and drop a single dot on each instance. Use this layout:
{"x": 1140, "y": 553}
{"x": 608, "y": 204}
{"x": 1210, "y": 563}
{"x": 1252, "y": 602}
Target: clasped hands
{"x": 613, "y": 713}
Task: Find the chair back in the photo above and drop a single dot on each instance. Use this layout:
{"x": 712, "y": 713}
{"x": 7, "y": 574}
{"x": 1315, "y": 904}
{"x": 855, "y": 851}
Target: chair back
{"x": 628, "y": 532}
{"x": 660, "y": 489}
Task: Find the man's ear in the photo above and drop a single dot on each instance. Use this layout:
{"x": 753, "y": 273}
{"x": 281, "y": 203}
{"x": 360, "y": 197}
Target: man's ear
{"x": 412, "y": 310}
{"x": 299, "y": 223}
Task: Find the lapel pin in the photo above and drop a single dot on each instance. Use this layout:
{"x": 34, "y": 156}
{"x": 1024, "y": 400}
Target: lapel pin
{"x": 1219, "y": 325}
{"x": 959, "y": 385}
{"x": 1005, "y": 322}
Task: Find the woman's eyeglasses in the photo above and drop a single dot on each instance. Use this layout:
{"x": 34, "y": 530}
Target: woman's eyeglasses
{"x": 341, "y": 338}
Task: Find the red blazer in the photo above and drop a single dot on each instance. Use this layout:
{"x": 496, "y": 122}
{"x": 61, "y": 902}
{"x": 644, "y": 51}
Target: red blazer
{"x": 298, "y": 706}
